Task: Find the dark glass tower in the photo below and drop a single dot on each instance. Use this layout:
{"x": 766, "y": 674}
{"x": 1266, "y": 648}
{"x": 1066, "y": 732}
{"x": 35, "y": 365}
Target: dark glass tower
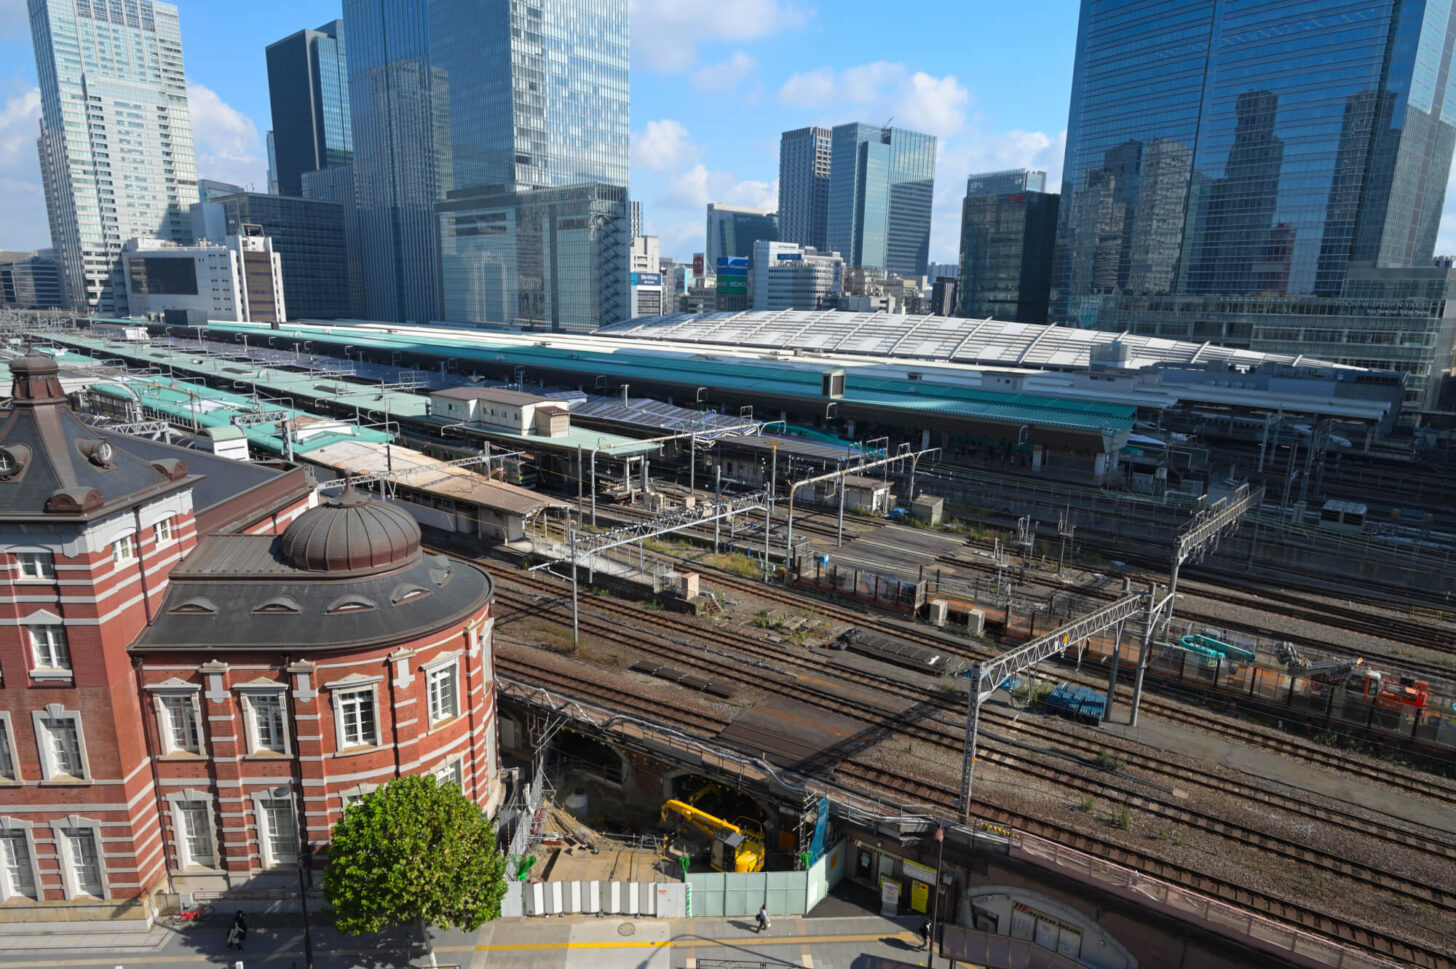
{"x": 881, "y": 185}
{"x": 456, "y": 99}
{"x": 308, "y": 87}
{"x": 1008, "y": 227}
{"x": 1249, "y": 148}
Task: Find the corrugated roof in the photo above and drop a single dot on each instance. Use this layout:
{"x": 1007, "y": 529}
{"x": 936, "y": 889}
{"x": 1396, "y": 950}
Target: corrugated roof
{"x": 499, "y": 395}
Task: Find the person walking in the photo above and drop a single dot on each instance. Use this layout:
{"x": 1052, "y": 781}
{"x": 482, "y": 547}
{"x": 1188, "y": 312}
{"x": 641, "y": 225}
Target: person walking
{"x": 763, "y": 922}
{"x": 925, "y": 933}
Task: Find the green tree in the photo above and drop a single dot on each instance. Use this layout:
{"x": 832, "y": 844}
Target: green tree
{"x": 414, "y": 852}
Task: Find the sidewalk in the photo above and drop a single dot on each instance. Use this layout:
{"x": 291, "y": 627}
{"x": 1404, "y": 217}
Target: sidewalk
{"x": 569, "y": 942}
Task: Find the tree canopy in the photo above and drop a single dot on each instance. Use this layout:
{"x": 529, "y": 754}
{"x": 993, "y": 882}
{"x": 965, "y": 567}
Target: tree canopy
{"x": 414, "y": 852}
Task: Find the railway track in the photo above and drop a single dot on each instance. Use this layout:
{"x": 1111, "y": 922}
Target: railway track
{"x": 948, "y": 737}
{"x": 1350, "y": 933}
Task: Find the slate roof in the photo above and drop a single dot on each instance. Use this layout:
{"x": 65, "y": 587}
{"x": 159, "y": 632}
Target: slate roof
{"x": 60, "y": 471}
{"x": 238, "y": 593}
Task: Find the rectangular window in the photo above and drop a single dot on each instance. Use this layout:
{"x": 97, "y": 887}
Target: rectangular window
{"x": 443, "y": 693}
{"x": 280, "y": 836}
{"x": 124, "y": 549}
{"x": 16, "y": 867}
{"x": 179, "y": 725}
{"x": 60, "y": 744}
{"x": 265, "y": 722}
{"x": 36, "y": 565}
{"x": 7, "y": 757}
{"x": 84, "y": 858}
{"x": 48, "y": 643}
{"x": 195, "y": 838}
{"x": 356, "y": 718}
{"x": 163, "y": 531}
{"x": 451, "y": 773}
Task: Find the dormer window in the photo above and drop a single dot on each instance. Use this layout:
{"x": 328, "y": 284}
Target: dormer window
{"x": 407, "y": 593}
{"x": 196, "y": 606}
{"x": 278, "y": 605}
{"x": 350, "y": 603}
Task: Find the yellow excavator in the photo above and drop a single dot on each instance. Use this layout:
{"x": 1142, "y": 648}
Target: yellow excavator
{"x": 736, "y": 847}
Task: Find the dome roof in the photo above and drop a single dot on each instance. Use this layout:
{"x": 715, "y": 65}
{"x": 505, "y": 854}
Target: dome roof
{"x": 351, "y": 534}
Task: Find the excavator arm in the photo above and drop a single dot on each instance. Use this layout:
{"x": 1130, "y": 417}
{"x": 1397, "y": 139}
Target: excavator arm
{"x": 746, "y": 842}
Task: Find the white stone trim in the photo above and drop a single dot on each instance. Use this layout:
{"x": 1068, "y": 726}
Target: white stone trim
{"x": 54, "y": 711}
{"x": 8, "y": 740}
{"x": 67, "y": 863}
{"x": 175, "y": 800}
{"x": 8, "y": 826}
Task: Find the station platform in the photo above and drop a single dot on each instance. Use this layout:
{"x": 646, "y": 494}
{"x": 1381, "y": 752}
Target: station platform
{"x": 570, "y": 942}
{"x": 1273, "y": 768}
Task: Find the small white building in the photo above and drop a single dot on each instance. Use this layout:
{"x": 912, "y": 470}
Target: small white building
{"x": 240, "y": 280}
{"x": 505, "y": 410}
{"x": 785, "y": 276}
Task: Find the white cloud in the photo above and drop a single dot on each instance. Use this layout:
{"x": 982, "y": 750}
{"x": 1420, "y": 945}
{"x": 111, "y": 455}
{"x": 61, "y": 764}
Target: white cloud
{"x": 666, "y": 33}
{"x": 725, "y": 75}
{"x": 675, "y": 199}
{"x": 881, "y": 90}
{"x": 227, "y": 142}
{"x": 23, "y": 224}
{"x": 662, "y": 145}
{"x": 698, "y": 185}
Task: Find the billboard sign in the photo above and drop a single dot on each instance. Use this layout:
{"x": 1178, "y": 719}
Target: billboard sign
{"x": 647, "y": 279}
{"x": 732, "y": 265}
{"x": 732, "y": 285}
{"x": 697, "y": 264}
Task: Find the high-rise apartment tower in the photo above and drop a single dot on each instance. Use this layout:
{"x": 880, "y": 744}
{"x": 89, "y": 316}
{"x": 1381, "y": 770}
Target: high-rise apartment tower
{"x": 804, "y": 186}
{"x": 116, "y": 154}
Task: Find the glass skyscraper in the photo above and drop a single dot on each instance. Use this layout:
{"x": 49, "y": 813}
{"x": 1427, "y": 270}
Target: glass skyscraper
{"x": 881, "y": 186}
{"x": 308, "y": 235}
{"x": 733, "y": 231}
{"x": 1008, "y": 229}
{"x": 470, "y": 98}
{"x": 308, "y": 88}
{"x": 1242, "y": 148}
{"x": 116, "y": 152}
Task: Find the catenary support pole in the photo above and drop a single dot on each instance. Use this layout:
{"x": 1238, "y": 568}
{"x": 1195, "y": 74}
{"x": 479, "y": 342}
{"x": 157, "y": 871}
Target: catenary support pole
{"x": 1112, "y": 674}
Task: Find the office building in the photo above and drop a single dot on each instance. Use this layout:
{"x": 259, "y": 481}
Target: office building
{"x": 804, "y": 157}
{"x": 785, "y": 276}
{"x": 549, "y": 258}
{"x": 308, "y": 89}
{"x": 309, "y": 236}
{"x": 210, "y": 189}
{"x": 943, "y": 296}
{"x": 116, "y": 137}
{"x": 1008, "y": 234}
{"x": 940, "y": 270}
{"x": 337, "y": 185}
{"x": 174, "y": 617}
{"x": 1228, "y": 164}
{"x": 238, "y": 279}
{"x": 730, "y": 275}
{"x": 732, "y": 231}
{"x": 648, "y": 284}
{"x": 272, "y": 165}
{"x": 449, "y": 104}
{"x": 881, "y": 185}
{"x": 31, "y": 280}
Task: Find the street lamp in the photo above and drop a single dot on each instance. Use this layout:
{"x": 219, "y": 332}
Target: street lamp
{"x": 287, "y": 791}
{"x": 934, "y": 898}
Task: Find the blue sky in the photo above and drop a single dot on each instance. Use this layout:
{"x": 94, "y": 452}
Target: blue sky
{"x": 713, "y": 85}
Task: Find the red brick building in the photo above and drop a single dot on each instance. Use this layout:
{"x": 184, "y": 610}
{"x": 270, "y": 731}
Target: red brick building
{"x": 199, "y": 671}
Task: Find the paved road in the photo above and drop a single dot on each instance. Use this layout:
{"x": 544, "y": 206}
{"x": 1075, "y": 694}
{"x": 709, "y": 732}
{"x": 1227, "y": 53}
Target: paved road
{"x": 556, "y": 943}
